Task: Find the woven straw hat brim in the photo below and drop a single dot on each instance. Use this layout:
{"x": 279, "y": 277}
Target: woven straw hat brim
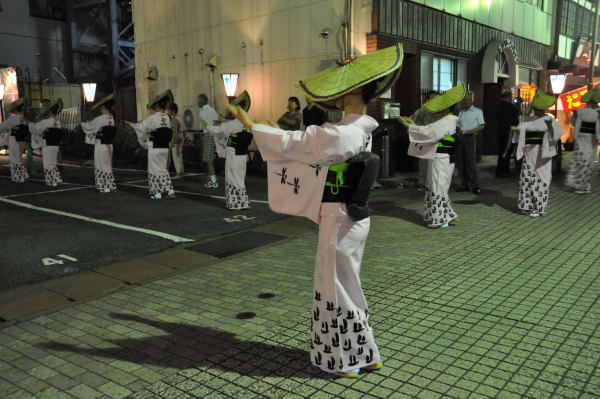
{"x": 446, "y": 100}
{"x": 541, "y": 100}
{"x": 338, "y": 80}
{"x": 592, "y": 95}
{"x": 167, "y": 93}
{"x": 14, "y": 105}
{"x": 103, "y": 101}
{"x": 58, "y": 102}
{"x": 243, "y": 100}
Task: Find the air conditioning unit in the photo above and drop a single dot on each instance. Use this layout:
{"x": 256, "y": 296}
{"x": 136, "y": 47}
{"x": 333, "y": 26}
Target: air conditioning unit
{"x": 191, "y": 118}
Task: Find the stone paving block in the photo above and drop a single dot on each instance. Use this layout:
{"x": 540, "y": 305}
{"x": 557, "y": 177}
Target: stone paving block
{"x": 135, "y": 271}
{"x": 24, "y": 302}
{"x": 83, "y": 285}
{"x": 114, "y": 390}
{"x": 180, "y": 258}
{"x": 83, "y": 392}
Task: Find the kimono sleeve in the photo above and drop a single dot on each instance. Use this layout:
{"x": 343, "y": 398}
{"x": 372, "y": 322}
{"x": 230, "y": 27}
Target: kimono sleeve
{"x": 90, "y": 129}
{"x": 322, "y": 145}
{"x": 141, "y": 130}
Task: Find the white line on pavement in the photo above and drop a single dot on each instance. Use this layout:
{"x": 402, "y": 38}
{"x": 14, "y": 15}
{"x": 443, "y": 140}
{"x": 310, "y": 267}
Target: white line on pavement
{"x": 198, "y": 194}
{"x": 98, "y": 221}
{"x": 81, "y": 187}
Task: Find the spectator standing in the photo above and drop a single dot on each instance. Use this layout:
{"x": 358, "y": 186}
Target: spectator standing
{"x": 507, "y": 116}
{"x": 313, "y": 115}
{"x": 422, "y": 117}
{"x": 470, "y": 121}
{"x": 209, "y": 116}
{"x": 292, "y": 119}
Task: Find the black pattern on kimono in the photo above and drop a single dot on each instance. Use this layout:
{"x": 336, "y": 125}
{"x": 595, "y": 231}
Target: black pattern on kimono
{"x": 533, "y": 191}
{"x": 104, "y": 180}
{"x": 52, "y": 176}
{"x": 18, "y": 172}
{"x": 438, "y": 209}
{"x": 159, "y": 183}
{"x": 236, "y": 197}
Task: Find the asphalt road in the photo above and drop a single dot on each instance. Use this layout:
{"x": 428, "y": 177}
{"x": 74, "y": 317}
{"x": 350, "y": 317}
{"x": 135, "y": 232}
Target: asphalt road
{"x": 48, "y": 231}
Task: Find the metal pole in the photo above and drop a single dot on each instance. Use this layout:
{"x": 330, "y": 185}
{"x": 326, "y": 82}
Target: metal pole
{"x": 594, "y": 49}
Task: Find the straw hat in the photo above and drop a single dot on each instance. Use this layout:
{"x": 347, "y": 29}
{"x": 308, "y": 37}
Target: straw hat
{"x": 57, "y": 103}
{"x": 104, "y": 101}
{"x": 350, "y": 74}
{"x": 243, "y": 100}
{"x": 592, "y": 95}
{"x": 165, "y": 94}
{"x": 14, "y": 105}
{"x": 541, "y": 100}
{"x": 446, "y": 100}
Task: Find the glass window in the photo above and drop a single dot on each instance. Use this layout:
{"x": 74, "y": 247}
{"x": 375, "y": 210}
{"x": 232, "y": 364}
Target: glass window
{"x": 443, "y": 73}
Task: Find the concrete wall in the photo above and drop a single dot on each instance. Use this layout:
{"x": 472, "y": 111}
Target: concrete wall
{"x": 291, "y": 46}
{"x": 34, "y": 43}
{"x": 515, "y": 16}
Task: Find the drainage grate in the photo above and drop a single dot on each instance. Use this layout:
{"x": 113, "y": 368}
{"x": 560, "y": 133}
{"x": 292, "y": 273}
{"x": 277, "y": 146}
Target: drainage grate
{"x": 236, "y": 243}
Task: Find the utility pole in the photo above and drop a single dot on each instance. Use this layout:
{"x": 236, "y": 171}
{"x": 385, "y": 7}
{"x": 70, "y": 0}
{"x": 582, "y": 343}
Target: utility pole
{"x": 594, "y": 47}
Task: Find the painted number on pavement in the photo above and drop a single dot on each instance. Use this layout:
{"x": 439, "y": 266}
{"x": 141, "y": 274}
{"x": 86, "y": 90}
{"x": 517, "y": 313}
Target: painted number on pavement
{"x": 53, "y": 261}
{"x": 238, "y": 218}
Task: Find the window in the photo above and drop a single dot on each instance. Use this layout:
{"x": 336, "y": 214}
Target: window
{"x": 53, "y": 9}
{"x": 443, "y": 74}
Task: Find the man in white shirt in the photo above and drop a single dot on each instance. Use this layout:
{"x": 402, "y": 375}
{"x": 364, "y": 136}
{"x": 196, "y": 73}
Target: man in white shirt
{"x": 470, "y": 121}
{"x": 208, "y": 116}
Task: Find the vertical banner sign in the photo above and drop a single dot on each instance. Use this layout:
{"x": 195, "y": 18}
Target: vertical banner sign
{"x": 571, "y": 100}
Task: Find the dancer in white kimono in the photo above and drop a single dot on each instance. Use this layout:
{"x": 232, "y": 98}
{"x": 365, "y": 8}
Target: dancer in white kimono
{"x": 325, "y": 173}
{"x": 587, "y": 133}
{"x": 155, "y": 133}
{"x": 47, "y": 135}
{"x": 17, "y": 132}
{"x": 537, "y": 145}
{"x": 437, "y": 142}
{"x": 231, "y": 141}
{"x": 100, "y": 132}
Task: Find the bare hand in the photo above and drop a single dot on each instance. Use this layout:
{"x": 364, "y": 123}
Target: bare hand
{"x": 405, "y": 120}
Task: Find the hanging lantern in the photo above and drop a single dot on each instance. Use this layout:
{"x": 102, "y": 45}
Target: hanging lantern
{"x": 230, "y": 81}
{"x": 89, "y": 92}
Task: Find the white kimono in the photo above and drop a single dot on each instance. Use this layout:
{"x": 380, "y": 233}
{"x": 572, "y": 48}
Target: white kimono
{"x": 103, "y": 172}
{"x": 18, "y": 171}
{"x": 158, "y": 176}
{"x": 49, "y": 152}
{"x": 586, "y": 147}
{"x": 236, "y": 196}
{"x": 536, "y": 172}
{"x": 342, "y": 338}
{"x": 424, "y": 144}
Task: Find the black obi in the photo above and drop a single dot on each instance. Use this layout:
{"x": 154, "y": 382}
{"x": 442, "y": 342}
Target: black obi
{"x": 161, "y": 137}
{"x": 588, "y": 127}
{"x": 534, "y": 136}
{"x": 20, "y": 132}
{"x": 240, "y": 142}
{"x": 53, "y": 136}
{"x": 106, "y": 134}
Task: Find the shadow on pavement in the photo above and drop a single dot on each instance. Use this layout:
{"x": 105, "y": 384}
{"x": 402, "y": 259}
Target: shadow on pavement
{"x": 389, "y": 208}
{"x": 188, "y": 346}
{"x": 491, "y": 198}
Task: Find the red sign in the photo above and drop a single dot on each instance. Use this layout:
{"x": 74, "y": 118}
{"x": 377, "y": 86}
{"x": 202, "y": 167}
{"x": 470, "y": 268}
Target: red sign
{"x": 572, "y": 99}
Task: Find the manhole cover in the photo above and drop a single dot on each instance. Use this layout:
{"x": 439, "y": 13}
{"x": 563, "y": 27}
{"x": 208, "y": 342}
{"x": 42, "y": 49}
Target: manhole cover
{"x": 236, "y": 243}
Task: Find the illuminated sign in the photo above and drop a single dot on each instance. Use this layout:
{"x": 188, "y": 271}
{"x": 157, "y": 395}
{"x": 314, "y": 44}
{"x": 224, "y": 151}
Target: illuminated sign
{"x": 572, "y": 99}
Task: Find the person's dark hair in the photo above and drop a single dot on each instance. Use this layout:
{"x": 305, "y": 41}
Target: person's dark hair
{"x": 295, "y": 101}
{"x": 54, "y": 109}
{"x": 506, "y": 94}
{"x": 173, "y": 107}
{"x": 162, "y": 104}
{"x": 368, "y": 91}
{"x": 204, "y": 97}
{"x": 430, "y": 92}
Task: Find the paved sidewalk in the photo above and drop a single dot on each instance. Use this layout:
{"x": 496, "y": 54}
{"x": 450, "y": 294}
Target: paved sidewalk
{"x": 501, "y": 306}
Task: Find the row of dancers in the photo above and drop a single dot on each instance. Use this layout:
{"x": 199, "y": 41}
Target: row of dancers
{"x": 325, "y": 173}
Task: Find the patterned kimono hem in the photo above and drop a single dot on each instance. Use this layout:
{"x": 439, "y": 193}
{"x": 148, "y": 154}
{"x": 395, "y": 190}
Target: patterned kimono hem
{"x": 104, "y": 180}
{"x": 533, "y": 190}
{"x": 18, "y": 172}
{"x": 438, "y": 209}
{"x": 52, "y": 177}
{"x": 159, "y": 183}
{"x": 236, "y": 197}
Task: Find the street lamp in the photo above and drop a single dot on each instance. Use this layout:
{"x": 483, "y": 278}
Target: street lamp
{"x": 230, "y": 81}
{"x": 89, "y": 92}
{"x": 557, "y": 82}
